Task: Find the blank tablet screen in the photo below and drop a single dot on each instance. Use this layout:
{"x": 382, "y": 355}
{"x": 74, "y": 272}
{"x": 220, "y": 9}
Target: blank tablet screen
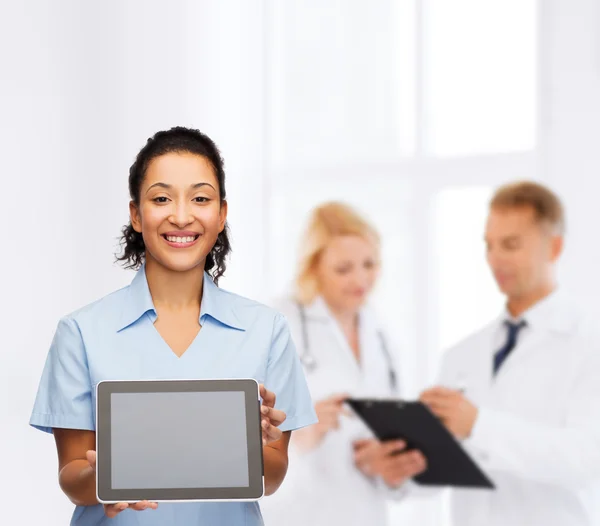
{"x": 176, "y": 440}
{"x": 179, "y": 440}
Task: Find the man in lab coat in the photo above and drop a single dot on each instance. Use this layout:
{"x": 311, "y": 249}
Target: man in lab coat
{"x": 524, "y": 392}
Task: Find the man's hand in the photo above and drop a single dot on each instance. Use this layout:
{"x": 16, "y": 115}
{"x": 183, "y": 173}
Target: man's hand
{"x": 452, "y": 408}
{"x": 388, "y": 460}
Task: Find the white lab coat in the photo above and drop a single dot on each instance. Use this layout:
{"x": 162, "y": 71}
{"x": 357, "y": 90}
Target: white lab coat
{"x": 538, "y": 430}
{"x": 323, "y": 487}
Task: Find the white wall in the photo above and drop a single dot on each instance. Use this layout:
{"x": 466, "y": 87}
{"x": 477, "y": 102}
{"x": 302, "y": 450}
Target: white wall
{"x": 571, "y": 135}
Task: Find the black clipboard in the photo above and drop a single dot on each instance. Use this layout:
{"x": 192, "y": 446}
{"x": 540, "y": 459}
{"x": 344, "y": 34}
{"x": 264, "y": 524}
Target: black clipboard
{"x": 448, "y": 463}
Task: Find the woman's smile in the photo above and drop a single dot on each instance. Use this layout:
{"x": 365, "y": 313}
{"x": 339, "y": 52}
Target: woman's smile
{"x": 181, "y": 239}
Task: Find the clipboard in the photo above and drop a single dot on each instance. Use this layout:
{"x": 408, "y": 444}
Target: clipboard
{"x": 448, "y": 463}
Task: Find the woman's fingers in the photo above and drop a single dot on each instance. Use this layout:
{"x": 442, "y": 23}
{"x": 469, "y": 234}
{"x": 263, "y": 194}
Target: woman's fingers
{"x": 367, "y": 452}
{"x": 270, "y": 433}
{"x": 329, "y": 416}
{"x": 275, "y": 416}
{"x": 91, "y": 458}
{"x": 408, "y": 464}
{"x": 267, "y": 396}
{"x": 392, "y": 446}
{"x": 112, "y": 510}
{"x": 329, "y": 411}
{"x": 143, "y": 505}
{"x": 330, "y": 420}
{"x": 271, "y": 418}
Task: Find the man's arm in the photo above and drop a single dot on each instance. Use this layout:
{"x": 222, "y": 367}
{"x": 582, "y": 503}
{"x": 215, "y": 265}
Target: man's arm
{"x": 566, "y": 454}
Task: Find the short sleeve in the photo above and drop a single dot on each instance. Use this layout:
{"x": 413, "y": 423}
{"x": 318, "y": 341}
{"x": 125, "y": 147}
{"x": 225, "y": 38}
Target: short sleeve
{"x": 285, "y": 377}
{"x": 64, "y": 397}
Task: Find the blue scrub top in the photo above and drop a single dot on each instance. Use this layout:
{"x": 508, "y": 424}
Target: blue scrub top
{"x": 115, "y": 339}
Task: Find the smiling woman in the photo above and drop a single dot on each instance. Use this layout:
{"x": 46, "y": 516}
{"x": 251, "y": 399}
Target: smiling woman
{"x": 178, "y": 180}
{"x": 171, "y": 322}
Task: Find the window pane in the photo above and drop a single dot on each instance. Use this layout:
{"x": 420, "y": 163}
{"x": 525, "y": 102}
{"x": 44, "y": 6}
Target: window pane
{"x": 480, "y": 76}
{"x": 466, "y": 292}
{"x": 341, "y": 80}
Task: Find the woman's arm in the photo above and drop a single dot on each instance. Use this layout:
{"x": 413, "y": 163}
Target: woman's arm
{"x": 76, "y": 476}
{"x": 276, "y": 462}
{"x": 77, "y": 471}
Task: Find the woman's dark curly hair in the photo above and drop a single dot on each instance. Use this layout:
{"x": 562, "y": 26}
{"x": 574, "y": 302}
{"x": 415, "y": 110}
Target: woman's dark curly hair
{"x": 180, "y": 140}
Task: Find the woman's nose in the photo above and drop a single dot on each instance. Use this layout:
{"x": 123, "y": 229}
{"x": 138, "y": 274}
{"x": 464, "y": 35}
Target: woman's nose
{"x": 182, "y": 215}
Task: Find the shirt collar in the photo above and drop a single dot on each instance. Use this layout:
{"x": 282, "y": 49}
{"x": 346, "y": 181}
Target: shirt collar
{"x": 138, "y": 300}
{"x": 319, "y": 309}
{"x": 214, "y": 303}
{"x": 219, "y": 305}
{"x": 552, "y": 313}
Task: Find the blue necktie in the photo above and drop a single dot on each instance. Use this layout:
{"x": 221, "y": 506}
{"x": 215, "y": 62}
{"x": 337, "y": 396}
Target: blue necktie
{"x": 511, "y": 341}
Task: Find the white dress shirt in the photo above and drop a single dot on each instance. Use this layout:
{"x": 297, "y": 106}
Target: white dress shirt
{"x": 537, "y": 434}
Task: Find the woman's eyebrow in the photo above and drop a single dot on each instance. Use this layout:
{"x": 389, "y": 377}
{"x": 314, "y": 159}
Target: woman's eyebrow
{"x": 168, "y": 186}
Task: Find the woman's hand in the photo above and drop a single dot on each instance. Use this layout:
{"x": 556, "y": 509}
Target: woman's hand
{"x": 388, "y": 460}
{"x": 367, "y": 454}
{"x": 396, "y": 468}
{"x": 329, "y": 412}
{"x": 112, "y": 510}
{"x": 271, "y": 418}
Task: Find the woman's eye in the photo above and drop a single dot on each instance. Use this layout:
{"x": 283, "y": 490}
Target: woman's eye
{"x": 343, "y": 270}
{"x": 201, "y": 199}
{"x": 160, "y": 199}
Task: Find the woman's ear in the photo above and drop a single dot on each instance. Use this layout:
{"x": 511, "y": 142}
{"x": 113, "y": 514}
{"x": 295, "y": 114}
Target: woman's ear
{"x": 134, "y": 215}
{"x": 223, "y": 215}
{"x": 557, "y": 245}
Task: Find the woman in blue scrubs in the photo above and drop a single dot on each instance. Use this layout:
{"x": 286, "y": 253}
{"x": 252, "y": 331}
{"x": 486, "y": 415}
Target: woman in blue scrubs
{"x": 172, "y": 321}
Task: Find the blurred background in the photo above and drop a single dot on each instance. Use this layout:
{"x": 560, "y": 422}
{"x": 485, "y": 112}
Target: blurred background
{"x": 413, "y": 111}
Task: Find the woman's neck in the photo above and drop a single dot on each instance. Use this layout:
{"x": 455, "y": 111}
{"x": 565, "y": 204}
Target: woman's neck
{"x": 348, "y": 319}
{"x": 174, "y": 290}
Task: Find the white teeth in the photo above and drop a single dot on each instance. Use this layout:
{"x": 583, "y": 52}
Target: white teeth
{"x": 178, "y": 239}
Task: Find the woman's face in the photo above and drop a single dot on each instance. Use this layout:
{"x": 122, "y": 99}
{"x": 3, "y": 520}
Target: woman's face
{"x": 180, "y": 213}
{"x": 346, "y": 272}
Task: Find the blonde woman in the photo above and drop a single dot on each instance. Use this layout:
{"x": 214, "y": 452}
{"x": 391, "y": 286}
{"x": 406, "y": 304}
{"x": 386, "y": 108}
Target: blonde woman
{"x": 338, "y": 473}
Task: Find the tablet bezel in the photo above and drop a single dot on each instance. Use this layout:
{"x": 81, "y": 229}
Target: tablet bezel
{"x": 107, "y": 495}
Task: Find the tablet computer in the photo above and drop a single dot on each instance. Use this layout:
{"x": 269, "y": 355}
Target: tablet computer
{"x": 178, "y": 440}
{"x": 448, "y": 464}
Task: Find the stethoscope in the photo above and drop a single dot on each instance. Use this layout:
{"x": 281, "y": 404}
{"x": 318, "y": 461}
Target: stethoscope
{"x": 309, "y": 361}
